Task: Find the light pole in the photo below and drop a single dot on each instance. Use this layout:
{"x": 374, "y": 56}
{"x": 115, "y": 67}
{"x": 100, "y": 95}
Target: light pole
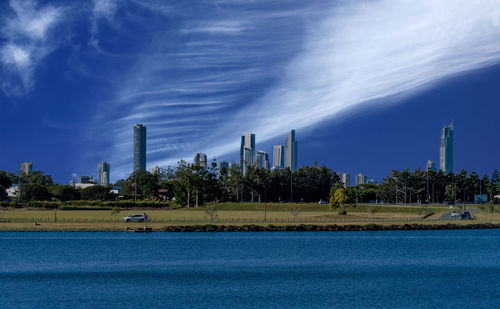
{"x": 427, "y": 196}
{"x": 135, "y": 186}
{"x": 19, "y": 188}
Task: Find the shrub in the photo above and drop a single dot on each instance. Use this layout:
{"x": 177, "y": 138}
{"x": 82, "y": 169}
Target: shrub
{"x": 43, "y": 204}
{"x": 78, "y": 207}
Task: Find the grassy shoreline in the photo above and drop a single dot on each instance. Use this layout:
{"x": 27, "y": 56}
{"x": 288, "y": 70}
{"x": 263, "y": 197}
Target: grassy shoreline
{"x": 158, "y": 227}
{"x": 237, "y": 215}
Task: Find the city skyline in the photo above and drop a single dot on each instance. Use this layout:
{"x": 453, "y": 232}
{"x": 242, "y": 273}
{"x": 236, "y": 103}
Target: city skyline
{"x": 71, "y": 96}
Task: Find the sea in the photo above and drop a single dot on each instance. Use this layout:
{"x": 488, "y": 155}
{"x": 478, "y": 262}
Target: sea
{"x": 383, "y": 269}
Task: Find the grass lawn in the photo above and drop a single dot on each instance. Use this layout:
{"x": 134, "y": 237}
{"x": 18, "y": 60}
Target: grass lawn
{"x": 226, "y": 213}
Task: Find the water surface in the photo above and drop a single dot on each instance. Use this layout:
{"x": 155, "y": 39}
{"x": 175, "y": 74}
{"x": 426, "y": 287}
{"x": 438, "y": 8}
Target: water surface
{"x": 399, "y": 269}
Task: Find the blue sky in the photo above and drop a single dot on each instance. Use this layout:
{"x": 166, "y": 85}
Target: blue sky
{"x": 366, "y": 84}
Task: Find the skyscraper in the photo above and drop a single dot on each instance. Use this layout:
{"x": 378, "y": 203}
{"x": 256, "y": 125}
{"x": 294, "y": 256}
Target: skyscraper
{"x": 139, "y": 147}
{"x": 200, "y": 159}
{"x": 27, "y": 167}
{"x": 279, "y": 156}
{"x": 446, "y": 149}
{"x": 103, "y": 174}
{"x": 291, "y": 151}
{"x": 346, "y": 179}
{"x": 361, "y": 179}
{"x": 233, "y": 166}
{"x": 262, "y": 159}
{"x": 247, "y": 151}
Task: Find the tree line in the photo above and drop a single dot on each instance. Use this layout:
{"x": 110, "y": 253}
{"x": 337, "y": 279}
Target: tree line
{"x": 192, "y": 185}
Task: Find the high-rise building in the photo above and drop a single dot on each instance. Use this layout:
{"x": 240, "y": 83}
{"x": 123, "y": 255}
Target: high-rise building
{"x": 103, "y": 174}
{"x": 291, "y": 151}
{"x": 279, "y": 156}
{"x": 361, "y": 179}
{"x": 86, "y": 179}
{"x": 262, "y": 160}
{"x": 247, "y": 151}
{"x": 27, "y": 167}
{"x": 431, "y": 166}
{"x": 139, "y": 147}
{"x": 200, "y": 159}
{"x": 346, "y": 179}
{"x": 247, "y": 159}
{"x": 155, "y": 170}
{"x": 446, "y": 149}
{"x": 222, "y": 168}
{"x": 233, "y": 166}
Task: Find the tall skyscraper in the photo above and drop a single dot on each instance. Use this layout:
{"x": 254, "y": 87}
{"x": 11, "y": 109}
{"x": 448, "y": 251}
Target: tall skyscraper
{"x": 27, "y": 167}
{"x": 279, "y": 156}
{"x": 262, "y": 159}
{"x": 247, "y": 151}
{"x": 361, "y": 179}
{"x": 155, "y": 169}
{"x": 200, "y": 159}
{"x": 103, "y": 174}
{"x": 446, "y": 149}
{"x": 139, "y": 147}
{"x": 346, "y": 179}
{"x": 291, "y": 151}
{"x": 431, "y": 166}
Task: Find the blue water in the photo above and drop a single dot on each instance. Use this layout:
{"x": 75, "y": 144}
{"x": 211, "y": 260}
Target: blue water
{"x": 400, "y": 269}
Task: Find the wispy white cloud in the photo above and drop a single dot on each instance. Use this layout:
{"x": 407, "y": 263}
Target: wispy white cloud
{"x": 291, "y": 69}
{"x": 27, "y": 42}
{"x": 102, "y": 10}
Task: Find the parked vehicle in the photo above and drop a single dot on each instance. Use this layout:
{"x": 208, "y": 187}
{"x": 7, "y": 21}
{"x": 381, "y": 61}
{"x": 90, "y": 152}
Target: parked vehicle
{"x": 136, "y": 218}
{"x": 454, "y": 214}
{"x": 322, "y": 202}
{"x": 466, "y": 216}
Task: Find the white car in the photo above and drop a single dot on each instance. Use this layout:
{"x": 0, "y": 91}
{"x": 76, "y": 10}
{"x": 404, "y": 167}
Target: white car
{"x": 454, "y": 214}
{"x": 136, "y": 218}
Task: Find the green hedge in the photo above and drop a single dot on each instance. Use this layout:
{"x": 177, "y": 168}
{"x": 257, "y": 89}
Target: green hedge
{"x": 43, "y": 204}
{"x": 88, "y": 205}
{"x": 78, "y": 207}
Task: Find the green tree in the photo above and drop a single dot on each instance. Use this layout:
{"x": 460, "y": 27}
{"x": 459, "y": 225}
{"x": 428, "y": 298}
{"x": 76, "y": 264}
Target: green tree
{"x": 65, "y": 193}
{"x": 147, "y": 185}
{"x": 339, "y": 199}
{"x": 184, "y": 184}
{"x": 450, "y": 193}
{"x": 37, "y": 177}
{"x": 34, "y": 192}
{"x": 5, "y": 182}
{"x": 97, "y": 193}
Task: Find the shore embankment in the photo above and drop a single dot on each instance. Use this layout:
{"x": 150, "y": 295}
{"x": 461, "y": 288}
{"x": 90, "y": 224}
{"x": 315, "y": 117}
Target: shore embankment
{"x": 312, "y": 227}
{"x": 263, "y": 228}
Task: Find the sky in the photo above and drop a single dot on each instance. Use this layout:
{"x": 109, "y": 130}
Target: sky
{"x": 367, "y": 84}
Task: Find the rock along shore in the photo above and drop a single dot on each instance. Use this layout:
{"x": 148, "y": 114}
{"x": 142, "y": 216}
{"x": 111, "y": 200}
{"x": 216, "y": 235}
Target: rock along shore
{"x": 309, "y": 227}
